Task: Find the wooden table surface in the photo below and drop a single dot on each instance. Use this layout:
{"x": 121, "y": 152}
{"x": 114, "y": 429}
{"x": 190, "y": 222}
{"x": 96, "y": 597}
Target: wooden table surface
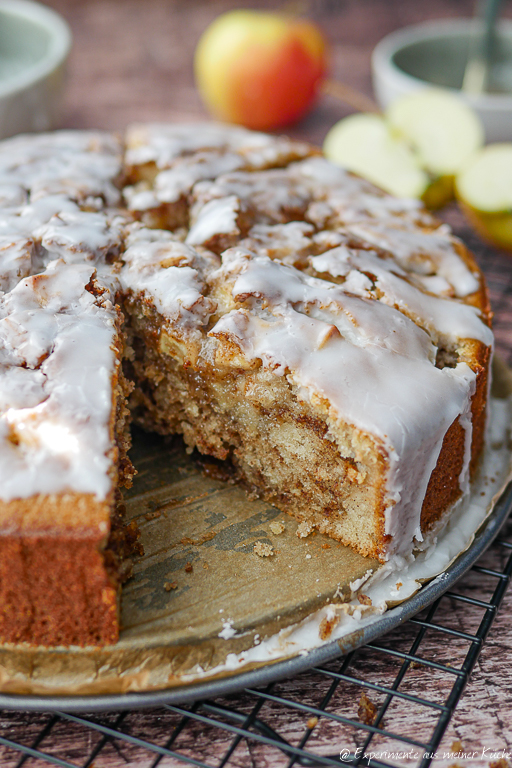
{"x": 132, "y": 60}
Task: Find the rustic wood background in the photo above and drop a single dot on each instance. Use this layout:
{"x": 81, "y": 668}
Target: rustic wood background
{"x": 132, "y": 60}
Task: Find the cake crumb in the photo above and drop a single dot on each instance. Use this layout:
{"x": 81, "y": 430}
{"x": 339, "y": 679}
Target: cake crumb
{"x": 364, "y": 599}
{"x": 308, "y": 557}
{"x": 276, "y": 528}
{"x": 326, "y": 546}
{"x": 204, "y": 537}
{"x": 456, "y": 746}
{"x": 170, "y": 585}
{"x": 312, "y": 722}
{"x": 205, "y": 565}
{"x": 188, "y": 568}
{"x": 152, "y": 515}
{"x": 367, "y": 710}
{"x": 327, "y": 625}
{"x": 501, "y": 763}
{"x": 304, "y": 529}
{"x": 263, "y": 550}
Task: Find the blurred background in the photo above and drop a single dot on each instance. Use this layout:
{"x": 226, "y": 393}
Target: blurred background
{"x": 133, "y": 59}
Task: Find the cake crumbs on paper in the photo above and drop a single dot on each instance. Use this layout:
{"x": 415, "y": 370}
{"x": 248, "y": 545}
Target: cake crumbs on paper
{"x": 277, "y": 528}
{"x": 263, "y": 550}
{"x": 312, "y": 722}
{"x": 189, "y": 567}
{"x": 304, "y": 529}
{"x": 205, "y": 565}
{"x": 364, "y": 599}
{"x": 456, "y": 746}
{"x": 170, "y": 585}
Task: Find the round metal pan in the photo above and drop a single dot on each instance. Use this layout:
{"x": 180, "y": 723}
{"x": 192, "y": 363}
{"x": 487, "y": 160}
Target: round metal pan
{"x": 283, "y": 669}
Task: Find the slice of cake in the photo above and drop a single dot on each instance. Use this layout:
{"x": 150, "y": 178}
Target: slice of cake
{"x": 63, "y": 415}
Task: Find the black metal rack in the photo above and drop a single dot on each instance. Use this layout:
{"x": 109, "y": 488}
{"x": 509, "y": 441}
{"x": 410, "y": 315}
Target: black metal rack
{"x": 370, "y": 715}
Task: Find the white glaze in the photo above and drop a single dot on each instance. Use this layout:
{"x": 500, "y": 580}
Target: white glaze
{"x": 169, "y": 273}
{"x": 54, "y": 428}
{"x": 162, "y": 144}
{"x": 425, "y": 252}
{"x": 57, "y": 355}
{"x": 172, "y": 184}
{"x": 441, "y": 317}
{"x": 82, "y": 165}
{"x": 216, "y": 217}
{"x": 289, "y": 243}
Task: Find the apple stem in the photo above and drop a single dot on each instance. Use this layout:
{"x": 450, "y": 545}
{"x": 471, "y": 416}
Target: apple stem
{"x": 343, "y": 92}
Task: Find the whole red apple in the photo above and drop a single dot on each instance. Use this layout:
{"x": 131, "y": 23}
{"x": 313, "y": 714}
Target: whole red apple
{"x": 262, "y": 70}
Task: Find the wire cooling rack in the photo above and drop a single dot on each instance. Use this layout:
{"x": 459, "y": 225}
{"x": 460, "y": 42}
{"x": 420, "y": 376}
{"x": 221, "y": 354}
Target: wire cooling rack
{"x": 374, "y": 707}
{"x": 368, "y": 702}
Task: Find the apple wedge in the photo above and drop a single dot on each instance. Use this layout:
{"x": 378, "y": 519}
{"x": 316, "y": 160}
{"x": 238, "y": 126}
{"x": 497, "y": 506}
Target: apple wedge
{"x": 363, "y": 143}
{"x": 414, "y": 150}
{"x": 442, "y": 130}
{"x": 484, "y": 191}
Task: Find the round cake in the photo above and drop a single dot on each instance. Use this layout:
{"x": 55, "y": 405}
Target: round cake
{"x": 330, "y": 341}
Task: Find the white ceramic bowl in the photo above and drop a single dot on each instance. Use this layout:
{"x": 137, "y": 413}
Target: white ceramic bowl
{"x": 435, "y": 53}
{"x": 34, "y": 45}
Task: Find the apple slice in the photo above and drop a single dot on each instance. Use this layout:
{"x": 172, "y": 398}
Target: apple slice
{"x": 364, "y": 144}
{"x": 484, "y": 190}
{"x": 440, "y": 127}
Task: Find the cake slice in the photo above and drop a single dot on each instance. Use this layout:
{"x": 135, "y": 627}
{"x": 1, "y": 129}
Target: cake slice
{"x": 63, "y": 416}
{"x": 61, "y": 430}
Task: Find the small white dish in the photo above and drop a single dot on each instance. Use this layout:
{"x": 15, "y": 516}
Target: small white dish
{"x": 435, "y": 54}
{"x": 34, "y": 45}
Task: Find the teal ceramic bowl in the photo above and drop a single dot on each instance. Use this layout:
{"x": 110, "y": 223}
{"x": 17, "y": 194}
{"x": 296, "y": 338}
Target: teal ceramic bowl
{"x": 435, "y": 54}
{"x": 34, "y": 45}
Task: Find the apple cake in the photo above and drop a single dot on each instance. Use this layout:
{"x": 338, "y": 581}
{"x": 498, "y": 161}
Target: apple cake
{"x": 330, "y": 341}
